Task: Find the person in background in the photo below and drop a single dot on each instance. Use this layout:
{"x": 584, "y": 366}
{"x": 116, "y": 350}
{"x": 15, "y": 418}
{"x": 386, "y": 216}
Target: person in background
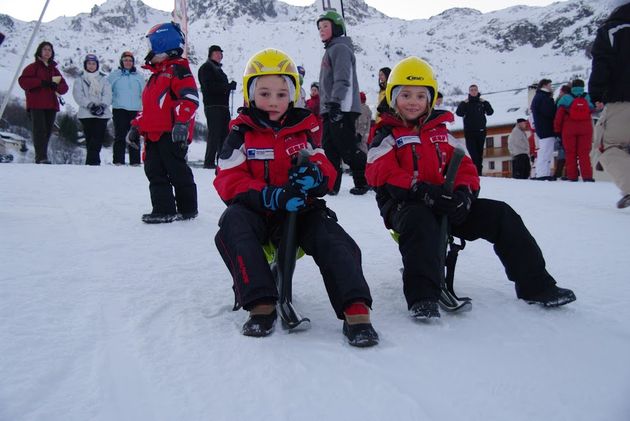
{"x": 381, "y": 105}
{"x": 169, "y": 102}
{"x": 216, "y": 99}
{"x": 301, "y": 102}
{"x": 340, "y": 103}
{"x": 609, "y": 87}
{"x": 543, "y": 111}
{"x": 561, "y": 157}
{"x": 312, "y": 104}
{"x": 127, "y": 85}
{"x": 474, "y": 110}
{"x": 261, "y": 183}
{"x": 42, "y": 83}
{"x": 407, "y": 162}
{"x": 518, "y": 145}
{"x": 439, "y": 102}
{"x": 573, "y": 120}
{"x": 364, "y": 123}
{"x": 93, "y": 94}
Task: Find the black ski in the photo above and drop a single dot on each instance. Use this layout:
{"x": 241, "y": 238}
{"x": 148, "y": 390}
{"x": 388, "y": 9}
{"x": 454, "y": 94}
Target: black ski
{"x": 448, "y": 300}
{"x": 284, "y": 268}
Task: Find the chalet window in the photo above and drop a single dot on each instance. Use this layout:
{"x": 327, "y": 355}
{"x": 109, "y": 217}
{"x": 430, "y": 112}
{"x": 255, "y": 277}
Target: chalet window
{"x": 491, "y": 165}
{"x": 504, "y": 141}
{"x": 489, "y": 142}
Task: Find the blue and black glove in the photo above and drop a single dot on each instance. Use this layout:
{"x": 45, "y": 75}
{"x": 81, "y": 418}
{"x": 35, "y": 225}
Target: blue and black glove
{"x": 283, "y": 198}
{"x": 334, "y": 112}
{"x": 463, "y": 199}
{"x": 435, "y": 197}
{"x": 179, "y": 134}
{"x": 306, "y": 177}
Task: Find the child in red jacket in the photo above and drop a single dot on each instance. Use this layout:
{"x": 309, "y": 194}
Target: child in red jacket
{"x": 169, "y": 102}
{"x": 407, "y": 161}
{"x": 259, "y": 182}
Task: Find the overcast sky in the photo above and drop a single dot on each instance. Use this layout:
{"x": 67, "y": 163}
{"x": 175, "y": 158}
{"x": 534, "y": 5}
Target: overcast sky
{"x": 31, "y": 9}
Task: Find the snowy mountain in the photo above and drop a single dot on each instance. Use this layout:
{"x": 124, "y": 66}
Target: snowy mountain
{"x": 104, "y": 318}
{"x": 505, "y": 49}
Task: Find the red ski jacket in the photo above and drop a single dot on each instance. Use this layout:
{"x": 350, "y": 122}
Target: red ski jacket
{"x": 255, "y": 155}
{"x": 400, "y": 157}
{"x": 39, "y": 97}
{"x": 170, "y": 96}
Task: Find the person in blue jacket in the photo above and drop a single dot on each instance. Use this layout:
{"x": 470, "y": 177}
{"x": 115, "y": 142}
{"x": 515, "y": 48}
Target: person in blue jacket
{"x": 127, "y": 85}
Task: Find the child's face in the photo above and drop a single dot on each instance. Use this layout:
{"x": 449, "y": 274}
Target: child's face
{"x": 325, "y": 30}
{"x": 91, "y": 66}
{"x": 272, "y": 96}
{"x": 412, "y": 102}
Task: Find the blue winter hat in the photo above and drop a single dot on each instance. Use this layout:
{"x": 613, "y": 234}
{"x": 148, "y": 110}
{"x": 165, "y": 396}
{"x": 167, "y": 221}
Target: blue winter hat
{"x": 166, "y": 38}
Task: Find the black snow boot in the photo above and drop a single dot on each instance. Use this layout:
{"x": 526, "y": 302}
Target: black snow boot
{"x": 185, "y": 216}
{"x": 425, "y": 309}
{"x": 158, "y": 218}
{"x": 259, "y": 325}
{"x": 361, "y": 335}
{"x": 360, "y": 190}
{"x": 552, "y": 297}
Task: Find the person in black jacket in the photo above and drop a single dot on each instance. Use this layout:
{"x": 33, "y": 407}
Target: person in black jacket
{"x": 543, "y": 109}
{"x": 474, "y": 111}
{"x": 216, "y": 100}
{"x": 609, "y": 84}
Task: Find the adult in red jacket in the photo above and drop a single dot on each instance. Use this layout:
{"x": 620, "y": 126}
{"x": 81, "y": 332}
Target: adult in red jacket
{"x": 259, "y": 182}
{"x": 406, "y": 163}
{"x": 42, "y": 81}
{"x": 169, "y": 102}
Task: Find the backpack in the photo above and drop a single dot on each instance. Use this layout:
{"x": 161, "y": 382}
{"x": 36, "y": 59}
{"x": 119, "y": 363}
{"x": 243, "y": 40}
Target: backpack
{"x": 579, "y": 108}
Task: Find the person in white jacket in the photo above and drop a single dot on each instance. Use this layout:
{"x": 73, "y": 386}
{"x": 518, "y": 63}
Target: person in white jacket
{"x": 93, "y": 94}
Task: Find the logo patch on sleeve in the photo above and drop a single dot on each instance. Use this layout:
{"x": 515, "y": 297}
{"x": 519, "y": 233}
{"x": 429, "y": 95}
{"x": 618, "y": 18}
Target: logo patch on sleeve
{"x": 264, "y": 154}
{"x": 407, "y": 140}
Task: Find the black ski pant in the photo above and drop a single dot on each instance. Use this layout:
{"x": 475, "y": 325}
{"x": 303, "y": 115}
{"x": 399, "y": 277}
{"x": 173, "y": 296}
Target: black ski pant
{"x": 122, "y": 123}
{"x": 340, "y": 143}
{"x": 218, "y": 118}
{"x": 521, "y": 168}
{"x": 42, "y": 123}
{"x": 166, "y": 168}
{"x": 492, "y": 220}
{"x": 475, "y": 142}
{"x": 243, "y": 231}
{"x": 94, "y": 131}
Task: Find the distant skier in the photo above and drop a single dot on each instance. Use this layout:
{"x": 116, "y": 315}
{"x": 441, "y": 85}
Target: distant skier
{"x": 474, "y": 110}
{"x": 610, "y": 85}
{"x": 169, "y": 102}
{"x": 407, "y": 161}
{"x": 42, "y": 81}
{"x": 257, "y": 181}
{"x": 340, "y": 104}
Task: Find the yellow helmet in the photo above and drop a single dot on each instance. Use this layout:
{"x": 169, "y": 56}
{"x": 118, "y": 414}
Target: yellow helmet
{"x": 270, "y": 62}
{"x": 412, "y": 71}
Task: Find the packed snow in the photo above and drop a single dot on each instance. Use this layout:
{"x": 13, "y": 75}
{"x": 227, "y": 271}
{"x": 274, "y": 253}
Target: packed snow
{"x": 106, "y": 318}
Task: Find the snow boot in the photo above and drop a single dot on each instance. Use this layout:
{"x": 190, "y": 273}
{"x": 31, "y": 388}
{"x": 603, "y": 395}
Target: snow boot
{"x": 185, "y": 216}
{"x": 158, "y": 218}
{"x": 552, "y": 297}
{"x": 261, "y": 322}
{"x": 425, "y": 309}
{"x": 6, "y": 158}
{"x": 624, "y": 202}
{"x": 357, "y": 326}
{"x": 359, "y": 190}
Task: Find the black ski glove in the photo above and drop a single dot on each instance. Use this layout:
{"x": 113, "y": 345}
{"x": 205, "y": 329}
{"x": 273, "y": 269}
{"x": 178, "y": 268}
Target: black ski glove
{"x": 435, "y": 197}
{"x": 334, "y": 112}
{"x": 49, "y": 84}
{"x": 180, "y": 134}
{"x": 463, "y": 199}
{"x": 232, "y": 86}
{"x": 133, "y": 138}
{"x": 282, "y": 198}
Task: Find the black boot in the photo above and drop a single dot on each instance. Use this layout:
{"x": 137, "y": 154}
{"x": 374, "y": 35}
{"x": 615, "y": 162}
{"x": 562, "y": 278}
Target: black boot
{"x": 552, "y": 297}
{"x": 361, "y": 335}
{"x": 425, "y": 309}
{"x": 158, "y": 218}
{"x": 260, "y": 325}
{"x": 360, "y": 190}
{"x": 185, "y": 216}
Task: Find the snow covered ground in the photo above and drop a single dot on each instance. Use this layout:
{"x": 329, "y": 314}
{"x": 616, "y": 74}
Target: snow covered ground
{"x": 105, "y": 318}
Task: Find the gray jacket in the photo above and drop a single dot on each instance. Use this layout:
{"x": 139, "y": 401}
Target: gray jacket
{"x": 83, "y": 97}
{"x": 517, "y": 142}
{"x": 338, "y": 76}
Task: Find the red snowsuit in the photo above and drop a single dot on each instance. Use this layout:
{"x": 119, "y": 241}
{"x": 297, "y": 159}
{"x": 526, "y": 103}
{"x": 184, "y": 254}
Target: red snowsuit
{"x": 577, "y": 139}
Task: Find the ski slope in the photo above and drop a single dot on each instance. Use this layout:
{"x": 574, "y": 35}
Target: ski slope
{"x": 105, "y": 318}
